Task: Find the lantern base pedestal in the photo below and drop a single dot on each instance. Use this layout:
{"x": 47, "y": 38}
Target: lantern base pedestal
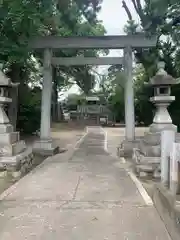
{"x": 147, "y": 156}
{"x": 18, "y": 165}
{"x": 6, "y": 128}
{"x": 15, "y": 158}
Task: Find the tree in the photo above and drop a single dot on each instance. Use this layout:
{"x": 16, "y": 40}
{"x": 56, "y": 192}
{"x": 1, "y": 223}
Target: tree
{"x": 160, "y": 17}
{"x": 111, "y": 91}
{"x": 144, "y": 109}
{"x": 21, "y": 20}
{"x": 73, "y": 100}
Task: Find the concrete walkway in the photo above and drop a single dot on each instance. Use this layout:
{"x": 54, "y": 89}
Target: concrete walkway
{"x": 79, "y": 195}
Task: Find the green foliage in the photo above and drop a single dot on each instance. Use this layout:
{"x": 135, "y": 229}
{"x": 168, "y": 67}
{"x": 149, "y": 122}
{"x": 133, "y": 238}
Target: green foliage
{"x": 131, "y": 27}
{"x": 21, "y": 20}
{"x": 79, "y": 18}
{"x": 73, "y": 100}
{"x": 116, "y": 104}
{"x": 29, "y": 111}
{"x": 143, "y": 108}
{"x": 174, "y": 107}
{"x": 160, "y": 17}
{"x": 111, "y": 91}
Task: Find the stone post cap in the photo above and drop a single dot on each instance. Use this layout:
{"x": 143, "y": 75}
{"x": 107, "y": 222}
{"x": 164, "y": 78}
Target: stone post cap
{"x": 161, "y": 68}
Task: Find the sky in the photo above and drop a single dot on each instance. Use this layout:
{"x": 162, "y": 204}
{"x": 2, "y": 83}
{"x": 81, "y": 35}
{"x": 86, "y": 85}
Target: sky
{"x": 114, "y": 18}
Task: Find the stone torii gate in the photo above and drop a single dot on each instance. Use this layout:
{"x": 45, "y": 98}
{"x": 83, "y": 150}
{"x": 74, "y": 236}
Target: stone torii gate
{"x": 49, "y": 43}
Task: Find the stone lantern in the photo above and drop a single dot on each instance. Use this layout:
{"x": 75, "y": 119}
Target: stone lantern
{"x": 5, "y": 83}
{"x": 147, "y": 155}
{"x": 15, "y": 157}
{"x": 161, "y": 84}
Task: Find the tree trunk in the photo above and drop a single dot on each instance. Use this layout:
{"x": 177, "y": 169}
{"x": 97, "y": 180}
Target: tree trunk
{"x": 55, "y": 98}
{"x": 60, "y": 112}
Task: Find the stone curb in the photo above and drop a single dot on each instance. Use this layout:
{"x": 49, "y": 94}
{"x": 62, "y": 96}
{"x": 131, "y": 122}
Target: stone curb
{"x": 164, "y": 202}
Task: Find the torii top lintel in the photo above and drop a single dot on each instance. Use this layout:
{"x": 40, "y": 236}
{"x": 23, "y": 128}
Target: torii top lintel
{"x": 93, "y": 42}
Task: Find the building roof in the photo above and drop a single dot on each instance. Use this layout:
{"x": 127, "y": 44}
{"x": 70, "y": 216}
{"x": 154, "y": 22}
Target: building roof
{"x": 92, "y": 98}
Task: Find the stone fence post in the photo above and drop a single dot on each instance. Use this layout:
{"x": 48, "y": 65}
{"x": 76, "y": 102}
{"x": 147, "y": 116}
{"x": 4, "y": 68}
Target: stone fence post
{"x": 167, "y": 140}
{"x": 175, "y": 169}
{"x": 170, "y": 161}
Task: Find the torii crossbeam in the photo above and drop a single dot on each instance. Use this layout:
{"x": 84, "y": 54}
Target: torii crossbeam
{"x": 125, "y": 42}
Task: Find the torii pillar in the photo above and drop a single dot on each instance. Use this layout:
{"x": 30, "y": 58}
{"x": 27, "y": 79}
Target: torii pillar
{"x": 129, "y": 96}
{"x": 130, "y": 142}
{"x": 45, "y": 146}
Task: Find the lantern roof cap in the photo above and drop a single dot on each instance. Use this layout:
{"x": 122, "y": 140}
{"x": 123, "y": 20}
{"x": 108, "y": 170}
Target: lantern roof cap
{"x": 4, "y": 81}
{"x": 162, "y": 78}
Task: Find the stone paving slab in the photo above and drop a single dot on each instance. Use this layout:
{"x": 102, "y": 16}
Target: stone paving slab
{"x": 55, "y": 182}
{"x": 57, "y": 220}
{"x": 80, "y": 195}
{"x": 105, "y": 187}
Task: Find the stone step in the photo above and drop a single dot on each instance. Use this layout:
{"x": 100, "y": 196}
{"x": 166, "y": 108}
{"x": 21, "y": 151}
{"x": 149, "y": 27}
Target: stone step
{"x": 140, "y": 158}
{"x": 150, "y": 151}
{"x": 146, "y": 171}
{"x": 145, "y": 168}
{"x": 150, "y": 160}
{"x": 12, "y": 149}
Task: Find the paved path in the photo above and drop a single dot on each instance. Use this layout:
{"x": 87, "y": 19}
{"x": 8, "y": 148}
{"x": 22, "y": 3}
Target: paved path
{"x": 85, "y": 195}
